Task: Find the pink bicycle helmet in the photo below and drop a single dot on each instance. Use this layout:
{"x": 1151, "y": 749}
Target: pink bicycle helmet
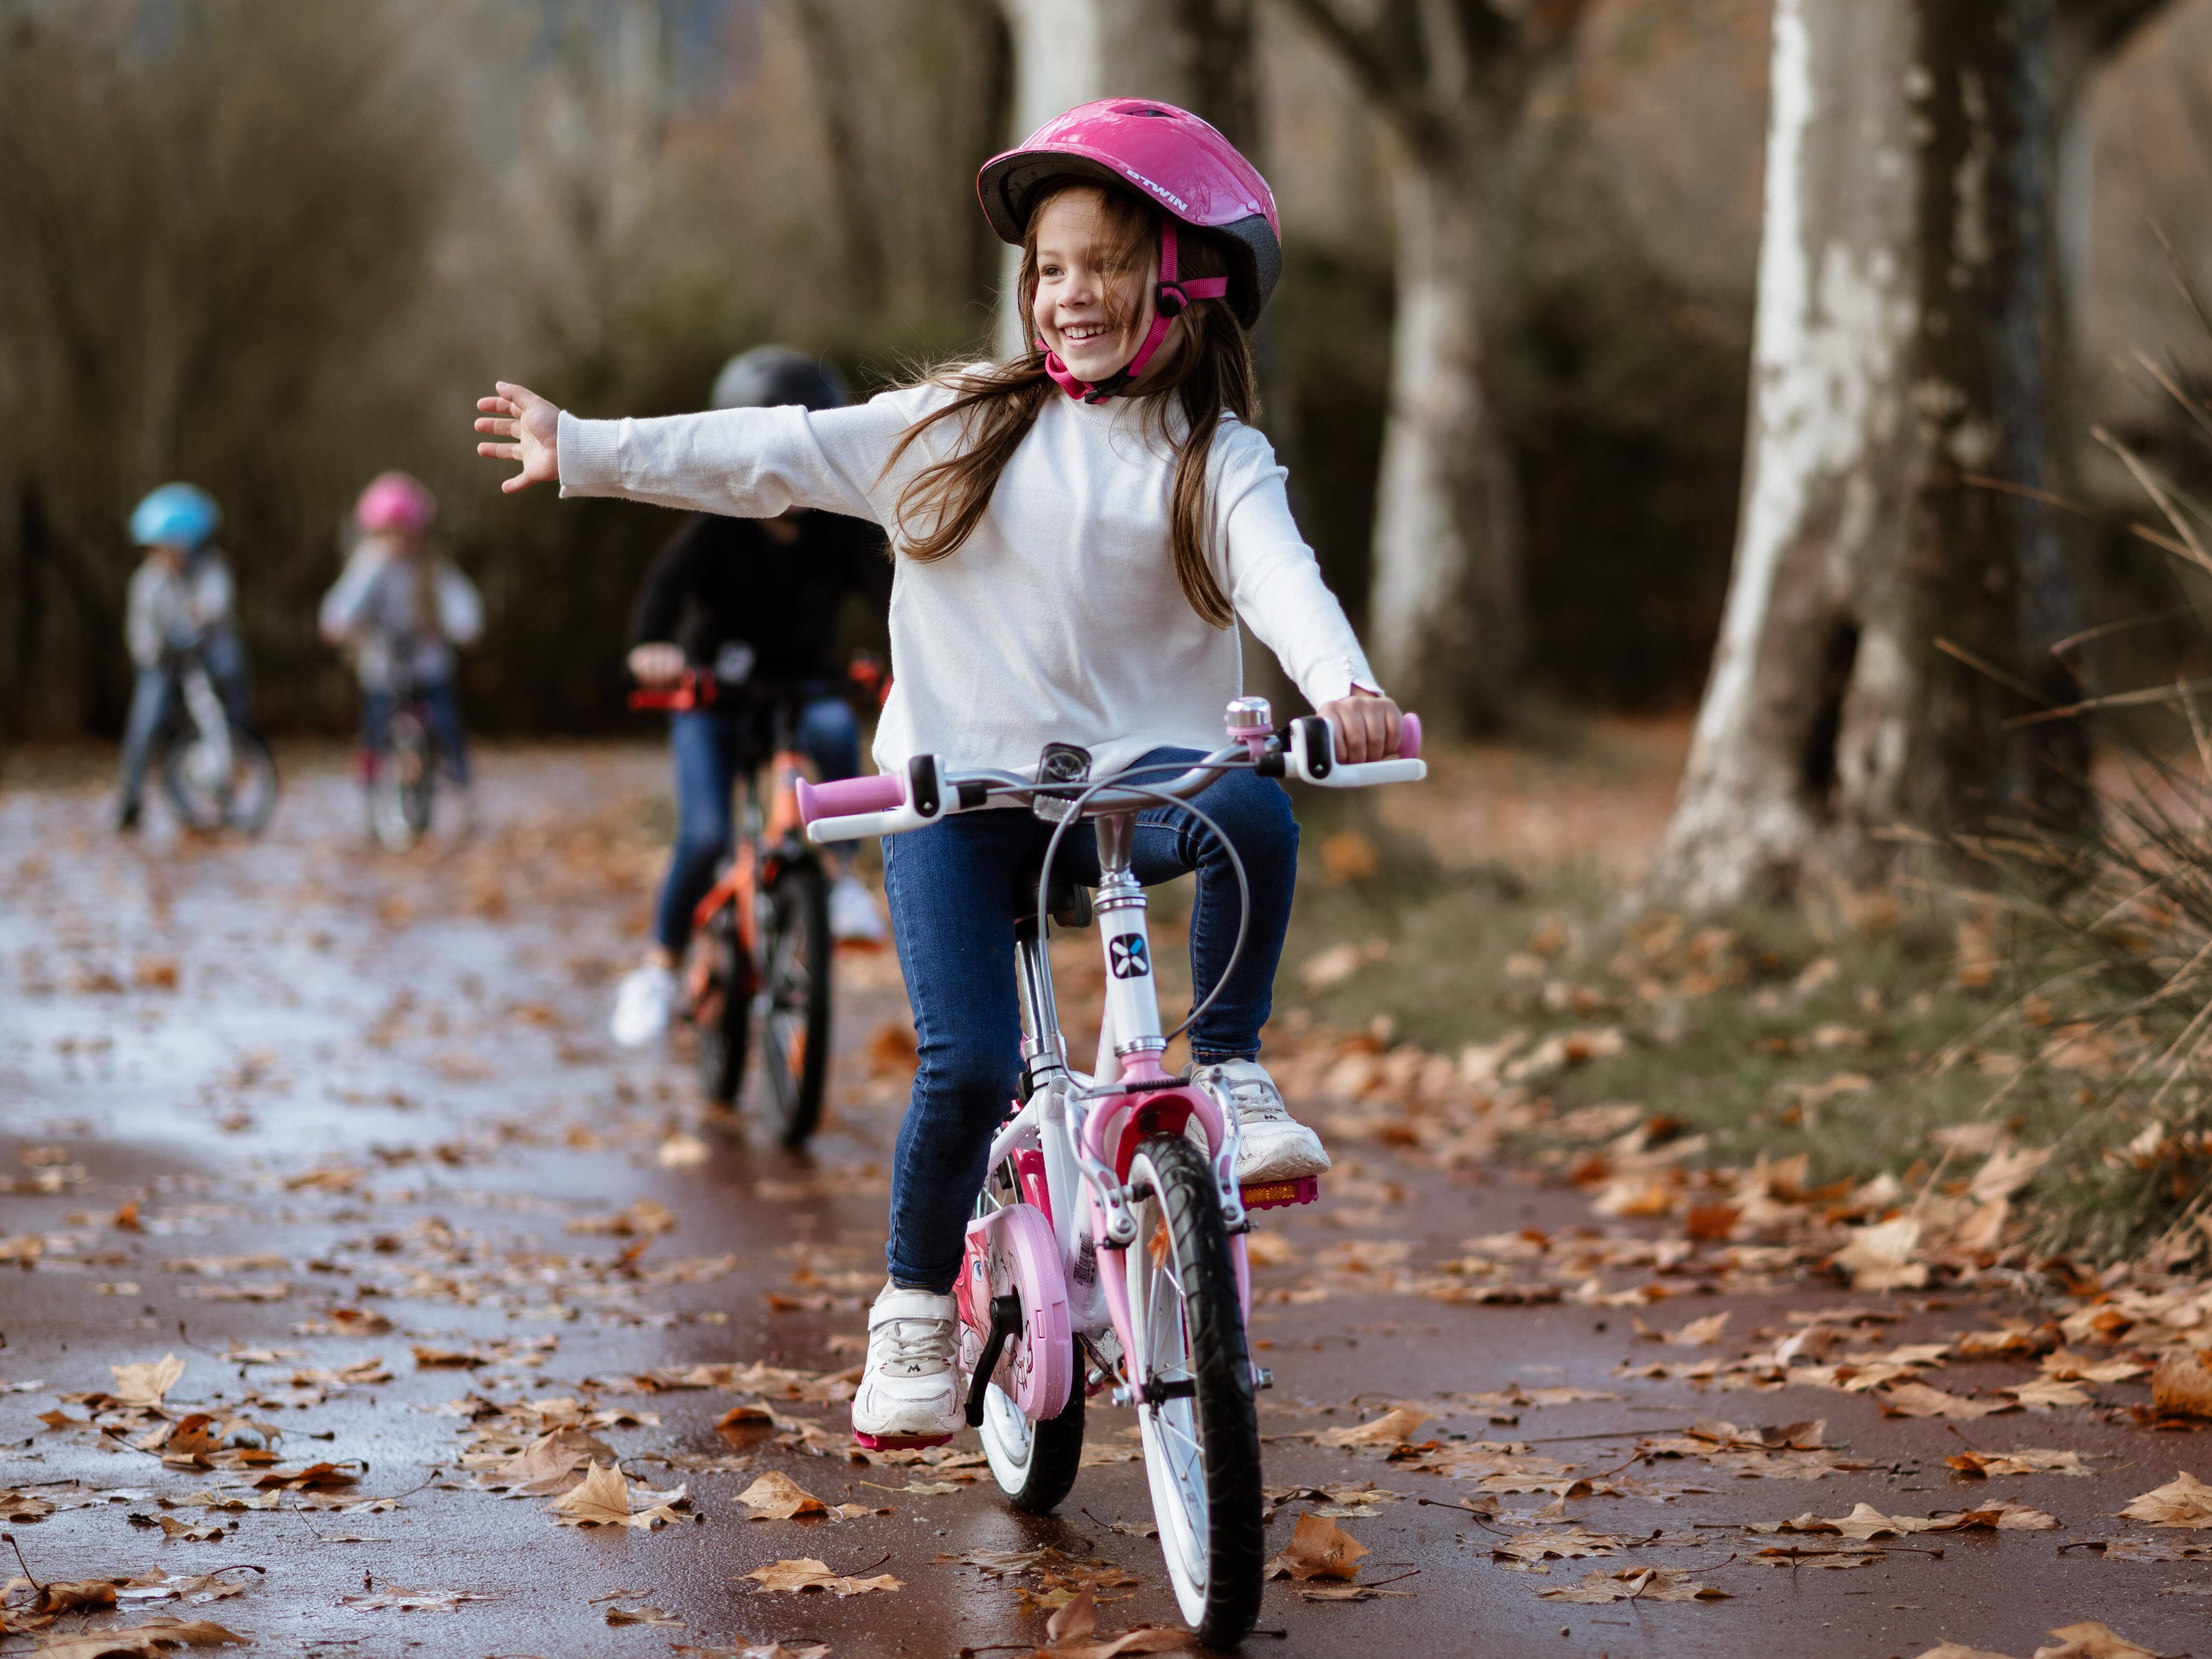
{"x": 395, "y": 503}
{"x": 1175, "y": 160}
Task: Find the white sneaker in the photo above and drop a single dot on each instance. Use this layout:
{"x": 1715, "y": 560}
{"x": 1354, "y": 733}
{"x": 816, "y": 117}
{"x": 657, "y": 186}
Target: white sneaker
{"x": 1276, "y": 1146}
{"x": 853, "y": 913}
{"x": 643, "y": 1005}
{"x": 910, "y": 1393}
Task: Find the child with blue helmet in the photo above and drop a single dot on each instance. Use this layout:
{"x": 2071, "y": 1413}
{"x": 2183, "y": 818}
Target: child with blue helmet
{"x": 180, "y": 603}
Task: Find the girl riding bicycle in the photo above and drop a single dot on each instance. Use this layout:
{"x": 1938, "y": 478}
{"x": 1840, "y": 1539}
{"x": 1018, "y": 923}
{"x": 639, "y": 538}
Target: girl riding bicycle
{"x": 1078, "y": 531}
{"x": 400, "y": 610}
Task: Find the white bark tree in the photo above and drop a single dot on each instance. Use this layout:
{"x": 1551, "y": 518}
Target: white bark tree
{"x": 1910, "y": 340}
{"x": 1453, "y": 79}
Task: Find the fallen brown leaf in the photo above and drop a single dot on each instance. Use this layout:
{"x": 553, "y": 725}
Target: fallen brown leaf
{"x": 1882, "y": 1257}
{"x": 1319, "y": 1548}
{"x": 2184, "y": 1501}
{"x": 2022, "y": 1459}
{"x": 2182, "y": 1387}
{"x": 1636, "y": 1584}
{"x": 604, "y": 1500}
{"x": 1530, "y": 1550}
{"x": 397, "y": 1599}
{"x": 776, "y": 1496}
{"x": 1069, "y": 1633}
{"x": 2092, "y": 1639}
{"x": 1393, "y": 1428}
{"x": 643, "y": 1615}
{"x": 807, "y": 1574}
{"x": 154, "y": 1637}
{"x": 1919, "y": 1400}
{"x": 146, "y": 1383}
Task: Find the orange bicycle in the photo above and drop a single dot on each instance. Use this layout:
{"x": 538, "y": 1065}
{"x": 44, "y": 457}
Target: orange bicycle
{"x": 760, "y": 948}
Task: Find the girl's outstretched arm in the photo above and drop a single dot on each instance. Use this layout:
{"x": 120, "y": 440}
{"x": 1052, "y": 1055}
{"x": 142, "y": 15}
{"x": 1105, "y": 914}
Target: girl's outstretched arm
{"x": 534, "y": 423}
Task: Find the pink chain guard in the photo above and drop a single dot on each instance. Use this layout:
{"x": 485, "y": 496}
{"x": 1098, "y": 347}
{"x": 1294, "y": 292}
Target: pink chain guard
{"x": 1014, "y": 1249}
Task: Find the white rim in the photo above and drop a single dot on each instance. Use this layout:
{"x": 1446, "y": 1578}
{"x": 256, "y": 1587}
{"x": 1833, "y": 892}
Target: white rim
{"x": 1174, "y": 1460}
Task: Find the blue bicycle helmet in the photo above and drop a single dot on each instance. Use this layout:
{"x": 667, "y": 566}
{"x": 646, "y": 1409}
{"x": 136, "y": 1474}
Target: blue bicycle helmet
{"x": 175, "y": 515}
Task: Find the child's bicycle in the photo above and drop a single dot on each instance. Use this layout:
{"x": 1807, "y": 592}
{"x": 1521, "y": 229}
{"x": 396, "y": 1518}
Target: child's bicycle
{"x": 216, "y": 773}
{"x": 760, "y": 938}
{"x": 1109, "y": 1244}
{"x": 403, "y": 769}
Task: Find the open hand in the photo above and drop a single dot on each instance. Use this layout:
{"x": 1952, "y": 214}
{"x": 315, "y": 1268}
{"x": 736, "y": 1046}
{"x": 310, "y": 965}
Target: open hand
{"x": 534, "y": 423}
{"x": 1366, "y": 726}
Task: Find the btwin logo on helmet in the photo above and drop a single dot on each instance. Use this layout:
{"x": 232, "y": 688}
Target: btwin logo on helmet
{"x": 1160, "y": 190}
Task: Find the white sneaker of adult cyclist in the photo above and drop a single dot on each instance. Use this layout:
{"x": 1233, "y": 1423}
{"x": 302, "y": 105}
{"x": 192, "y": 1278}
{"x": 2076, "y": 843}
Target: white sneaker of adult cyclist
{"x": 909, "y": 1394}
{"x": 1276, "y": 1146}
{"x": 643, "y": 1005}
{"x": 853, "y": 913}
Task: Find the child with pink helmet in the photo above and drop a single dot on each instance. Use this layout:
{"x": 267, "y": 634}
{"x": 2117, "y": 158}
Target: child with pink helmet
{"x": 1076, "y": 533}
{"x": 399, "y": 610}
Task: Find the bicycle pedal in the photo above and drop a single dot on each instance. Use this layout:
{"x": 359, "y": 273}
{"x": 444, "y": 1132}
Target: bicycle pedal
{"x": 1276, "y": 1195}
{"x": 899, "y": 1441}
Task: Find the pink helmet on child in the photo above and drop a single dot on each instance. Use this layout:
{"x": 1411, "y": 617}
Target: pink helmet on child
{"x": 395, "y": 503}
{"x": 1172, "y": 158}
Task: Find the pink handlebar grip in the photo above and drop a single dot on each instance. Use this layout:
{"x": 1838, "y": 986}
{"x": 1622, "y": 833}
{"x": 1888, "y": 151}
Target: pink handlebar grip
{"x": 850, "y": 795}
{"x": 1409, "y": 737}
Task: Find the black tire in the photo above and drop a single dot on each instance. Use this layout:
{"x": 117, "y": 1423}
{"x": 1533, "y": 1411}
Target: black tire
{"x": 400, "y": 791}
{"x": 723, "y": 1012}
{"x": 794, "y": 997}
{"x": 243, "y": 800}
{"x": 1215, "y": 1539}
{"x": 1035, "y": 1463}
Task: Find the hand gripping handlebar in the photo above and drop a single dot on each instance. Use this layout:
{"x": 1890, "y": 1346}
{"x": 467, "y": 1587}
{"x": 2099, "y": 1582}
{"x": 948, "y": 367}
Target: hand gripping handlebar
{"x": 889, "y": 803}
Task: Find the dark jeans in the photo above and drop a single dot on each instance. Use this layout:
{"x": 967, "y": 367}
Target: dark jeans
{"x": 952, "y": 904}
{"x": 710, "y": 749}
{"x": 444, "y": 707}
{"x": 156, "y": 692}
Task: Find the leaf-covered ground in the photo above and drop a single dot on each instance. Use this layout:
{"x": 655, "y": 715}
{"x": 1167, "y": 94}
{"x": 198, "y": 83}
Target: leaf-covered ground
{"x": 359, "y": 1295}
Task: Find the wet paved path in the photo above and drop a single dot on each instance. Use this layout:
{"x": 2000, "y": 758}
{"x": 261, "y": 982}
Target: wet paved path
{"x": 315, "y": 1119}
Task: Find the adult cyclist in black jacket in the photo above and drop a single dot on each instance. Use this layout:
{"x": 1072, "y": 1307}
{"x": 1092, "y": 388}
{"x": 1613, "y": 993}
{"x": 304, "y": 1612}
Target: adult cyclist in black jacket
{"x": 757, "y": 599}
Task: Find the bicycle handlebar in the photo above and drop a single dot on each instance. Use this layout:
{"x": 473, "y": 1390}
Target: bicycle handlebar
{"x": 889, "y": 805}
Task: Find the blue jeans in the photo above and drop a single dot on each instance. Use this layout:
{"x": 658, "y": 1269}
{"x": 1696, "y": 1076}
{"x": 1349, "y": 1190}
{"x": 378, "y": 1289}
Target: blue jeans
{"x": 157, "y": 689}
{"x": 710, "y": 749}
{"x": 953, "y": 905}
{"x": 445, "y": 709}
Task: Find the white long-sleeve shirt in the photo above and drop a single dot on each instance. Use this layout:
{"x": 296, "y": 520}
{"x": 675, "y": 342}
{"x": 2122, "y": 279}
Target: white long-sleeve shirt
{"x": 380, "y": 602}
{"x": 1060, "y": 619}
{"x": 172, "y": 609}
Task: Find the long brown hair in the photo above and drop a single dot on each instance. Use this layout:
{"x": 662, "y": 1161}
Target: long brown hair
{"x": 995, "y": 406}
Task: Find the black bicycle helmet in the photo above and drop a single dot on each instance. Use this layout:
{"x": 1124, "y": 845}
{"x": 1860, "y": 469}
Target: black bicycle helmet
{"x": 770, "y": 377}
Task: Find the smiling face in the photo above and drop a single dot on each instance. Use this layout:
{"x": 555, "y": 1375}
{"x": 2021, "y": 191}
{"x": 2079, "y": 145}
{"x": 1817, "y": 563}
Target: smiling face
{"x": 1092, "y": 304}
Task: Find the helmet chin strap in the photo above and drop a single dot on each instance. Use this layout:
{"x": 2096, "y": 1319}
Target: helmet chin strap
{"x": 1169, "y": 300}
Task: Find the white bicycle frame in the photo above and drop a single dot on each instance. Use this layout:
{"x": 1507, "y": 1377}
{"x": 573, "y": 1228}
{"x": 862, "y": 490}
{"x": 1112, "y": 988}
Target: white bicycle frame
{"x": 1081, "y": 1123}
{"x": 212, "y": 747}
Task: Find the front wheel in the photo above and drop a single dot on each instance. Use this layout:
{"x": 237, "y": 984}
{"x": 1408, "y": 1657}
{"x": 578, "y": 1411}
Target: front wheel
{"x": 399, "y": 789}
{"x": 212, "y": 790}
{"x": 794, "y": 998}
{"x": 1201, "y": 1428}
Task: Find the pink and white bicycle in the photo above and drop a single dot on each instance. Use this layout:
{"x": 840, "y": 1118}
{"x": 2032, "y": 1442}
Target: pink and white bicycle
{"x": 1108, "y": 1247}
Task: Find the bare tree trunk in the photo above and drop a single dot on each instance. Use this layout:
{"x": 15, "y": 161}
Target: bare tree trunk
{"x": 1454, "y": 80}
{"x": 1905, "y": 345}
{"x": 1447, "y": 619}
{"x": 834, "y": 89}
